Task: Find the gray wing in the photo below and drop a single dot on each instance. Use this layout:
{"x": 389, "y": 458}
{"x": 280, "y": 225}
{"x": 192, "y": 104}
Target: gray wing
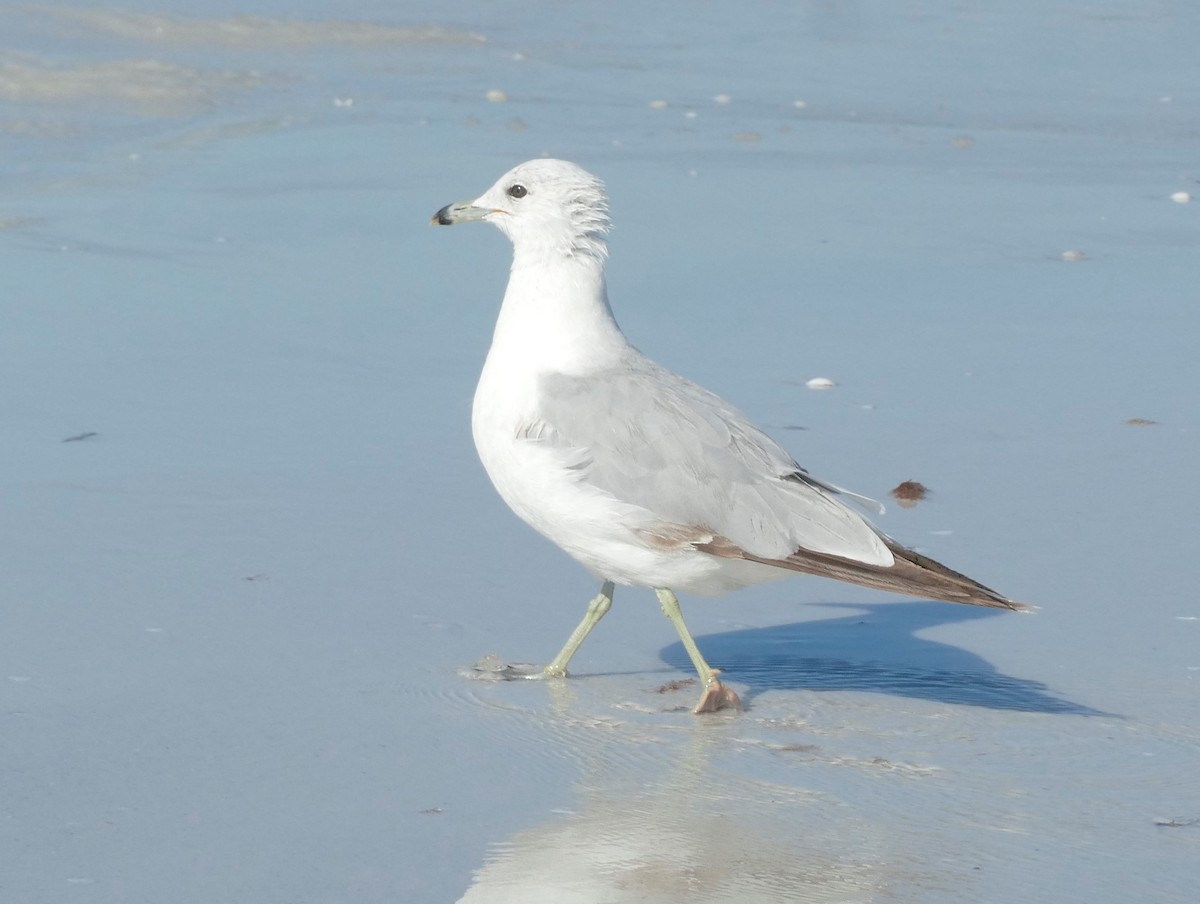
{"x": 651, "y": 438}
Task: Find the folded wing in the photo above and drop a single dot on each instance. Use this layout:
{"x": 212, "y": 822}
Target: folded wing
{"x": 656, "y": 440}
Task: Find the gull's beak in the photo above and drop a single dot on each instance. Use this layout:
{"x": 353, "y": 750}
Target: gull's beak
{"x": 459, "y": 212}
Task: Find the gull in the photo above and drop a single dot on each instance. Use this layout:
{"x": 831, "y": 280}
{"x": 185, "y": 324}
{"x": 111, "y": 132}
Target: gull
{"x": 644, "y": 477}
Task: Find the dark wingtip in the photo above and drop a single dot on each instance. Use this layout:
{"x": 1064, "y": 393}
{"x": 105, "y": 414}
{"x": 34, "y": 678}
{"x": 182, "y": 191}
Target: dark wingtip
{"x": 441, "y": 218}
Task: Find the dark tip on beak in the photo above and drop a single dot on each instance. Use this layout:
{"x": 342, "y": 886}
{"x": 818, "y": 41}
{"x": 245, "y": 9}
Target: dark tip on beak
{"x": 459, "y": 212}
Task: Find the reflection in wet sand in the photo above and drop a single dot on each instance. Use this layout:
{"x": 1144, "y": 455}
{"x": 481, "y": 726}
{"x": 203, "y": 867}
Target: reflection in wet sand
{"x": 694, "y": 835}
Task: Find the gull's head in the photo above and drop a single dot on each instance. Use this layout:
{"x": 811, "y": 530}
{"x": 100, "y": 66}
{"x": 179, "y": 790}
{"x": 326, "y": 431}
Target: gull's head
{"x": 545, "y": 207}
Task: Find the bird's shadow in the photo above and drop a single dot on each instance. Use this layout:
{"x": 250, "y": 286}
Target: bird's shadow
{"x": 874, "y": 649}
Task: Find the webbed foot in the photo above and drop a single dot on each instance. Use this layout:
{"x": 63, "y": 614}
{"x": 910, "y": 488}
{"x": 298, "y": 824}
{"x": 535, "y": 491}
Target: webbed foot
{"x": 716, "y": 696}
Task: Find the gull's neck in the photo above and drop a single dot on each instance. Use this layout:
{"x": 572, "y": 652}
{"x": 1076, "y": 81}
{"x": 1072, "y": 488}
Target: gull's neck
{"x": 555, "y": 316}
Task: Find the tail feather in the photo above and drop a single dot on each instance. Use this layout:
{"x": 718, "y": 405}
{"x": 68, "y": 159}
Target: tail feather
{"x": 911, "y": 573}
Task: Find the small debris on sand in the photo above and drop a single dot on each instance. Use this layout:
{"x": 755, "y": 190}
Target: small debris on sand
{"x": 1174, "y": 822}
{"x": 679, "y": 684}
{"x": 909, "y": 493}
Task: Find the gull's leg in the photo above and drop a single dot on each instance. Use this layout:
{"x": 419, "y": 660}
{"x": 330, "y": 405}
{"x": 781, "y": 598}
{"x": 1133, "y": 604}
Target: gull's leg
{"x": 595, "y": 611}
{"x": 715, "y": 695}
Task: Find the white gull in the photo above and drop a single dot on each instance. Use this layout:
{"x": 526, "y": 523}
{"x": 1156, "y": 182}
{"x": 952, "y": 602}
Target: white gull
{"x": 644, "y": 477}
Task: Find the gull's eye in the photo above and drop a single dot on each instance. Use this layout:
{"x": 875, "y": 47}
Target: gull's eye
{"x": 517, "y": 191}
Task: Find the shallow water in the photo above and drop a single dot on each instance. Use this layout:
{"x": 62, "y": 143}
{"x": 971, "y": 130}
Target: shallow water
{"x": 239, "y": 603}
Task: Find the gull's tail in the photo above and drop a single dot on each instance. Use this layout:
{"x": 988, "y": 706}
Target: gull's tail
{"x": 912, "y": 574}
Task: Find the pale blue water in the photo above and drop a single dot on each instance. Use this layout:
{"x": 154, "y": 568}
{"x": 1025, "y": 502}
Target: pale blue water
{"x": 233, "y": 619}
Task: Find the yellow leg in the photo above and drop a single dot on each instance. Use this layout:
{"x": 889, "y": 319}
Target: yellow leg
{"x": 595, "y": 611}
{"x": 714, "y": 695}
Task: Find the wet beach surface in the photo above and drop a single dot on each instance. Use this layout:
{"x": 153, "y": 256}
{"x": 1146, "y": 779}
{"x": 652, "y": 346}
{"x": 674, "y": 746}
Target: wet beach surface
{"x": 250, "y": 557}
